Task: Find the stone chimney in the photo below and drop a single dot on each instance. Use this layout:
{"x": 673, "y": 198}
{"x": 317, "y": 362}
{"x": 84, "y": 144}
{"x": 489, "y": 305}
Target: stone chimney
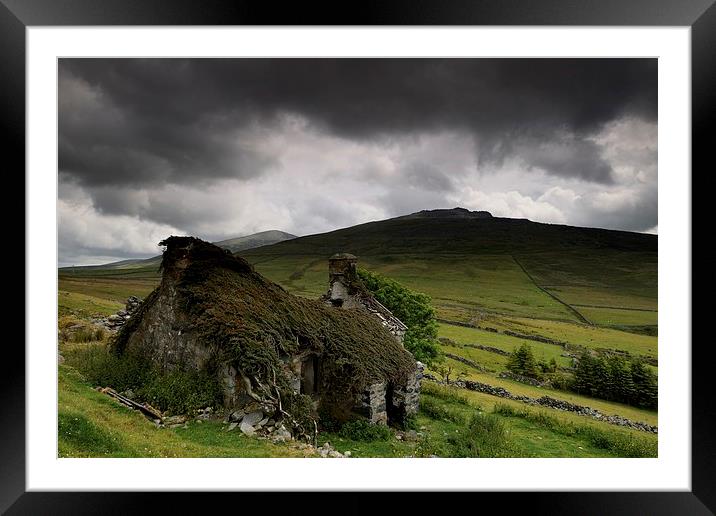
{"x": 342, "y": 275}
{"x": 346, "y": 291}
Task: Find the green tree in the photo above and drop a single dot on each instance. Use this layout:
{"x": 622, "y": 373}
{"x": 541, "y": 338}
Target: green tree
{"x": 413, "y": 308}
{"x": 616, "y": 378}
{"x": 645, "y": 385}
{"x": 621, "y": 385}
{"x": 522, "y": 361}
{"x": 591, "y": 376}
{"x": 552, "y": 365}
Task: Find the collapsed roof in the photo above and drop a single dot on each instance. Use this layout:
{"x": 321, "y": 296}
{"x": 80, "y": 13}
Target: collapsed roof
{"x": 213, "y": 310}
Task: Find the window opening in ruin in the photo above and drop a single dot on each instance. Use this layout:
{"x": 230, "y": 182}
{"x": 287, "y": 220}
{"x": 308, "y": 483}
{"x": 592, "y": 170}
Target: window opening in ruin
{"x": 309, "y": 376}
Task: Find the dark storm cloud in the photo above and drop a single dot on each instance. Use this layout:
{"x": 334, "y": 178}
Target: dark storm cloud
{"x": 220, "y": 148}
{"x": 138, "y": 121}
{"x": 563, "y": 155}
{"x": 428, "y": 177}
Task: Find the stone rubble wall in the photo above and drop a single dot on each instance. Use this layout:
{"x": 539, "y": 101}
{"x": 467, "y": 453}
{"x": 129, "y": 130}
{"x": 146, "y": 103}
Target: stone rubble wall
{"x": 404, "y": 400}
{"x": 536, "y": 338}
{"x": 115, "y": 321}
{"x": 547, "y": 401}
{"x": 373, "y": 404}
{"x": 168, "y": 341}
{"x": 522, "y": 379}
{"x": 465, "y": 361}
{"x": 497, "y": 351}
{"x": 575, "y": 348}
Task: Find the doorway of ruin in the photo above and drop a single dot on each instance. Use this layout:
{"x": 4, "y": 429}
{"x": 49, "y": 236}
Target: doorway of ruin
{"x": 390, "y": 408}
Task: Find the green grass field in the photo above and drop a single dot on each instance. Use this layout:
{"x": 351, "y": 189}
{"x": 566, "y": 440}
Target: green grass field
{"x": 521, "y": 389}
{"x": 462, "y": 335}
{"x": 620, "y": 317}
{"x": 586, "y": 288}
{"x": 91, "y": 424}
{"x": 490, "y": 283}
{"x": 85, "y": 306}
{"x": 589, "y": 336}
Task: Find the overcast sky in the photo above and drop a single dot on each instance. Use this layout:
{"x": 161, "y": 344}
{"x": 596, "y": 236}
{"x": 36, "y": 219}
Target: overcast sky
{"x": 219, "y": 148}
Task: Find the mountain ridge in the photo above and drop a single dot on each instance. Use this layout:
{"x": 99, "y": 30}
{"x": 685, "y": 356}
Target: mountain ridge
{"x": 458, "y": 230}
{"x": 234, "y": 245}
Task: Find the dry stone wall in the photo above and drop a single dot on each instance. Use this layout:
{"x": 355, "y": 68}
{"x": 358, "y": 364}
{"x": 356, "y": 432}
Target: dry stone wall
{"x": 547, "y": 401}
{"x": 115, "y": 321}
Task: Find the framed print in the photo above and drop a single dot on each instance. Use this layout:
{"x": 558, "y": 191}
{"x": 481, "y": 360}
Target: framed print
{"x": 434, "y": 249}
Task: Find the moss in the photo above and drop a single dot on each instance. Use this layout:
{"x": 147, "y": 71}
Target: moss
{"x": 253, "y": 322}
{"x": 119, "y": 341}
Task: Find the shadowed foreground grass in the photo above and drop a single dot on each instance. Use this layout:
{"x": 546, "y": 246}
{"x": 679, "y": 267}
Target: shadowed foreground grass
{"x": 91, "y": 424}
{"x": 450, "y": 424}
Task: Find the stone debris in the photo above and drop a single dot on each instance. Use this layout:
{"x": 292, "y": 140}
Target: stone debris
{"x": 204, "y": 414}
{"x": 175, "y": 420}
{"x": 258, "y": 423}
{"x": 281, "y": 434}
{"x": 327, "y": 450}
{"x": 236, "y": 415}
{"x": 253, "y": 418}
{"x": 115, "y": 321}
{"x": 247, "y": 429}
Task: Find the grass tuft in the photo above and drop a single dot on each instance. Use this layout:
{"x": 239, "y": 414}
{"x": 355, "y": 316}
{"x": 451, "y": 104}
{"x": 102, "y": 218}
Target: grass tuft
{"x": 484, "y": 436}
{"x": 174, "y": 392}
{"x": 361, "y": 430}
{"x": 618, "y": 443}
{"x": 433, "y": 409}
{"x": 76, "y": 431}
{"x": 445, "y": 393}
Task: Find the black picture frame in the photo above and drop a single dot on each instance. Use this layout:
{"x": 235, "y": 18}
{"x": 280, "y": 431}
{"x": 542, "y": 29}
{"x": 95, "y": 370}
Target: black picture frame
{"x": 17, "y": 15}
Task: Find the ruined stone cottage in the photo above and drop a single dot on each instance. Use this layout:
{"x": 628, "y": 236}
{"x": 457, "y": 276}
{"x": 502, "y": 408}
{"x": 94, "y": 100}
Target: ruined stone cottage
{"x": 302, "y": 360}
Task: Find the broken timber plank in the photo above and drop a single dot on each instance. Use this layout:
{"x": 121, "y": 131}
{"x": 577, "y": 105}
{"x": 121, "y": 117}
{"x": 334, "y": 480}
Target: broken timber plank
{"x": 147, "y": 410}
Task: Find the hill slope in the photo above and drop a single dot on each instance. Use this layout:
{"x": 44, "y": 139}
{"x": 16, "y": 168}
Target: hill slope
{"x": 472, "y": 263}
{"x": 496, "y": 284}
{"x": 232, "y": 244}
{"x": 451, "y": 231}
{"x": 256, "y": 240}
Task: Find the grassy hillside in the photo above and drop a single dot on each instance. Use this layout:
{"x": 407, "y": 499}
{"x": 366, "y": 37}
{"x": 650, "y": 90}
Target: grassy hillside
{"x": 495, "y": 283}
{"x": 256, "y": 240}
{"x": 472, "y": 266}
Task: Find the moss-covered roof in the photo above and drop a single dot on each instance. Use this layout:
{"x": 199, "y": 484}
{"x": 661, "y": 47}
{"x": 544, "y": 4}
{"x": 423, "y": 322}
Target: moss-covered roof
{"x": 253, "y": 320}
